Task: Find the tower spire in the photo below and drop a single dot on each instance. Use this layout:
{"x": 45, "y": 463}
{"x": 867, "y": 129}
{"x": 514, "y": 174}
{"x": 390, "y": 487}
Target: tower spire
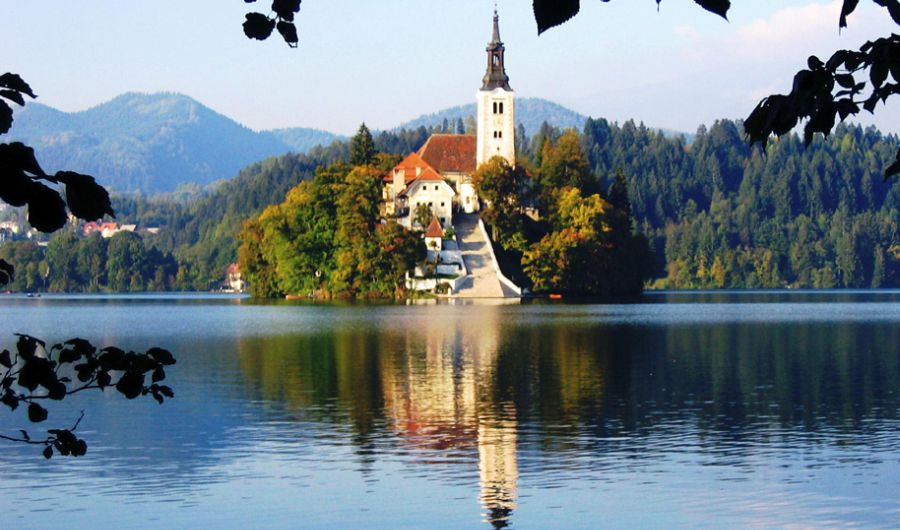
{"x": 496, "y": 70}
{"x": 496, "y": 37}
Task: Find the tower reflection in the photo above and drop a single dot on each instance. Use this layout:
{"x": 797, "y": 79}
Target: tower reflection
{"x": 440, "y": 393}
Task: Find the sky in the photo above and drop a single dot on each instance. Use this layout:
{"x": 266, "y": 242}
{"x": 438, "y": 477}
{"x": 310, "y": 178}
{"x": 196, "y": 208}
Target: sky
{"x": 388, "y": 61}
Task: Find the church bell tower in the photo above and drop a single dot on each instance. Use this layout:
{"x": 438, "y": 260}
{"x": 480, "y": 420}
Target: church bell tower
{"x": 496, "y": 106}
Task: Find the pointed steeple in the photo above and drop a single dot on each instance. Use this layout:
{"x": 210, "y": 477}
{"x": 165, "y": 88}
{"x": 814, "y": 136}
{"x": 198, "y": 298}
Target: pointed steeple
{"x": 495, "y": 77}
{"x": 496, "y": 37}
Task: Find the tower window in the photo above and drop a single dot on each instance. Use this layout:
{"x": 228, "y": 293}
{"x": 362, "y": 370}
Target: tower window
{"x": 495, "y": 107}
{"x": 501, "y": 108}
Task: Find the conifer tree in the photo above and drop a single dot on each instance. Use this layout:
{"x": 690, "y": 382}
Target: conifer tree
{"x": 362, "y": 147}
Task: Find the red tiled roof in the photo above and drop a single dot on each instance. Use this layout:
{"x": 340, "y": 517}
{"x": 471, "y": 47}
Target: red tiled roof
{"x": 234, "y": 268}
{"x": 454, "y": 153}
{"x": 434, "y": 229}
{"x": 410, "y": 164}
{"x": 430, "y": 174}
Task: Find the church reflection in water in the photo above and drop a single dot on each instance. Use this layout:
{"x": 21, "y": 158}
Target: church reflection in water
{"x": 508, "y": 391}
{"x": 427, "y": 379}
{"x": 440, "y": 394}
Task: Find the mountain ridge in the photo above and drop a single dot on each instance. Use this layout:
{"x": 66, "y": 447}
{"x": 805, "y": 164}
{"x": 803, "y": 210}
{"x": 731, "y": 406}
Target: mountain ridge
{"x": 152, "y": 143}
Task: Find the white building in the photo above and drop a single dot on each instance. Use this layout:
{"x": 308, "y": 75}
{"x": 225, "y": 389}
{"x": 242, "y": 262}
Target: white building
{"x": 455, "y": 157}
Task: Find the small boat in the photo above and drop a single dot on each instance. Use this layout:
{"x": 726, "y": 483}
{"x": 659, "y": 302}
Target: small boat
{"x": 555, "y": 296}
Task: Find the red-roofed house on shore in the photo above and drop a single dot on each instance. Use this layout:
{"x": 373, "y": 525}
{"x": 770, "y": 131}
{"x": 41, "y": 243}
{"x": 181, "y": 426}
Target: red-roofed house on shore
{"x": 413, "y": 183}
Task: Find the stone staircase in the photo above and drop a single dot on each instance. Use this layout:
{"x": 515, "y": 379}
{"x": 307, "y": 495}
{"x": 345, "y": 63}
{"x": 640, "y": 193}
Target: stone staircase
{"x": 482, "y": 281}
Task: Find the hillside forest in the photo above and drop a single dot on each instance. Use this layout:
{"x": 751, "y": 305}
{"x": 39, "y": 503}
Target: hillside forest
{"x": 715, "y": 212}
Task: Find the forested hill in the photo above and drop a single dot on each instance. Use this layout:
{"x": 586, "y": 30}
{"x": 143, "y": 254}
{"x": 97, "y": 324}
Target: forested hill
{"x": 718, "y": 213}
{"x": 152, "y": 142}
{"x": 723, "y": 215}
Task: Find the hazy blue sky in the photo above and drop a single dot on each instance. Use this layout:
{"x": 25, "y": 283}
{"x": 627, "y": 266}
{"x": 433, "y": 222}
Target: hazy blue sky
{"x": 388, "y": 61}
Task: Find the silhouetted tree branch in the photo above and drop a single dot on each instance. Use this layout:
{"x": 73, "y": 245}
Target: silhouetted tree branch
{"x": 33, "y": 372}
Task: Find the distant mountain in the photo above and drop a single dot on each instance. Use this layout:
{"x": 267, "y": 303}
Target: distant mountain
{"x": 530, "y": 112}
{"x": 302, "y": 139}
{"x": 150, "y": 142}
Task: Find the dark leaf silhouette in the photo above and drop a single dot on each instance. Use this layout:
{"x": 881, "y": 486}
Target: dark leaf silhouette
{"x": 719, "y": 7}
{"x": 27, "y": 346}
{"x": 48, "y": 452}
{"x": 12, "y": 95}
{"x": 36, "y": 413}
{"x": 12, "y": 87}
{"x": 14, "y": 82}
{"x": 550, "y": 13}
{"x": 14, "y": 184}
{"x": 163, "y": 357}
{"x": 893, "y": 7}
{"x": 87, "y": 200}
{"x": 46, "y": 209}
{"x": 131, "y": 384}
{"x": 848, "y": 7}
{"x": 289, "y": 33}
{"x": 6, "y": 117}
{"x": 20, "y": 156}
{"x": 285, "y": 9}
{"x": 258, "y": 26}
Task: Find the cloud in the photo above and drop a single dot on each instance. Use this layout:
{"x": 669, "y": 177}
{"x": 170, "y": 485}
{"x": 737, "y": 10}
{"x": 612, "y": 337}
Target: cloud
{"x": 789, "y": 34}
{"x": 688, "y": 32}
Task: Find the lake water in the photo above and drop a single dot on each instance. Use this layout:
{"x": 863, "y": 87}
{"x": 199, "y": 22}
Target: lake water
{"x": 765, "y": 409}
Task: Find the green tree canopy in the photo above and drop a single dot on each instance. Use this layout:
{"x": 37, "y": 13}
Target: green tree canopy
{"x": 362, "y": 147}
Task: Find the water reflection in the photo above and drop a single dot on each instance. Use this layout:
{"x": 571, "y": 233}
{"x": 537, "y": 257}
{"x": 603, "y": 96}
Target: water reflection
{"x": 478, "y": 386}
{"x": 432, "y": 379}
{"x": 753, "y": 411}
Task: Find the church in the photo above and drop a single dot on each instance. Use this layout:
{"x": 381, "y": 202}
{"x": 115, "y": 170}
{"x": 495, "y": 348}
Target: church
{"x": 438, "y": 176}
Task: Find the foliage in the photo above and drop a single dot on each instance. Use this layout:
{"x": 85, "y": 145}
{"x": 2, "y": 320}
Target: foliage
{"x": 502, "y": 187}
{"x": 326, "y": 240}
{"x": 590, "y": 251}
{"x": 422, "y": 216}
{"x": 71, "y": 263}
{"x": 33, "y": 374}
{"x": 719, "y": 214}
{"x": 362, "y": 147}
{"x": 33, "y": 366}
{"x": 259, "y": 26}
{"x": 562, "y": 164}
